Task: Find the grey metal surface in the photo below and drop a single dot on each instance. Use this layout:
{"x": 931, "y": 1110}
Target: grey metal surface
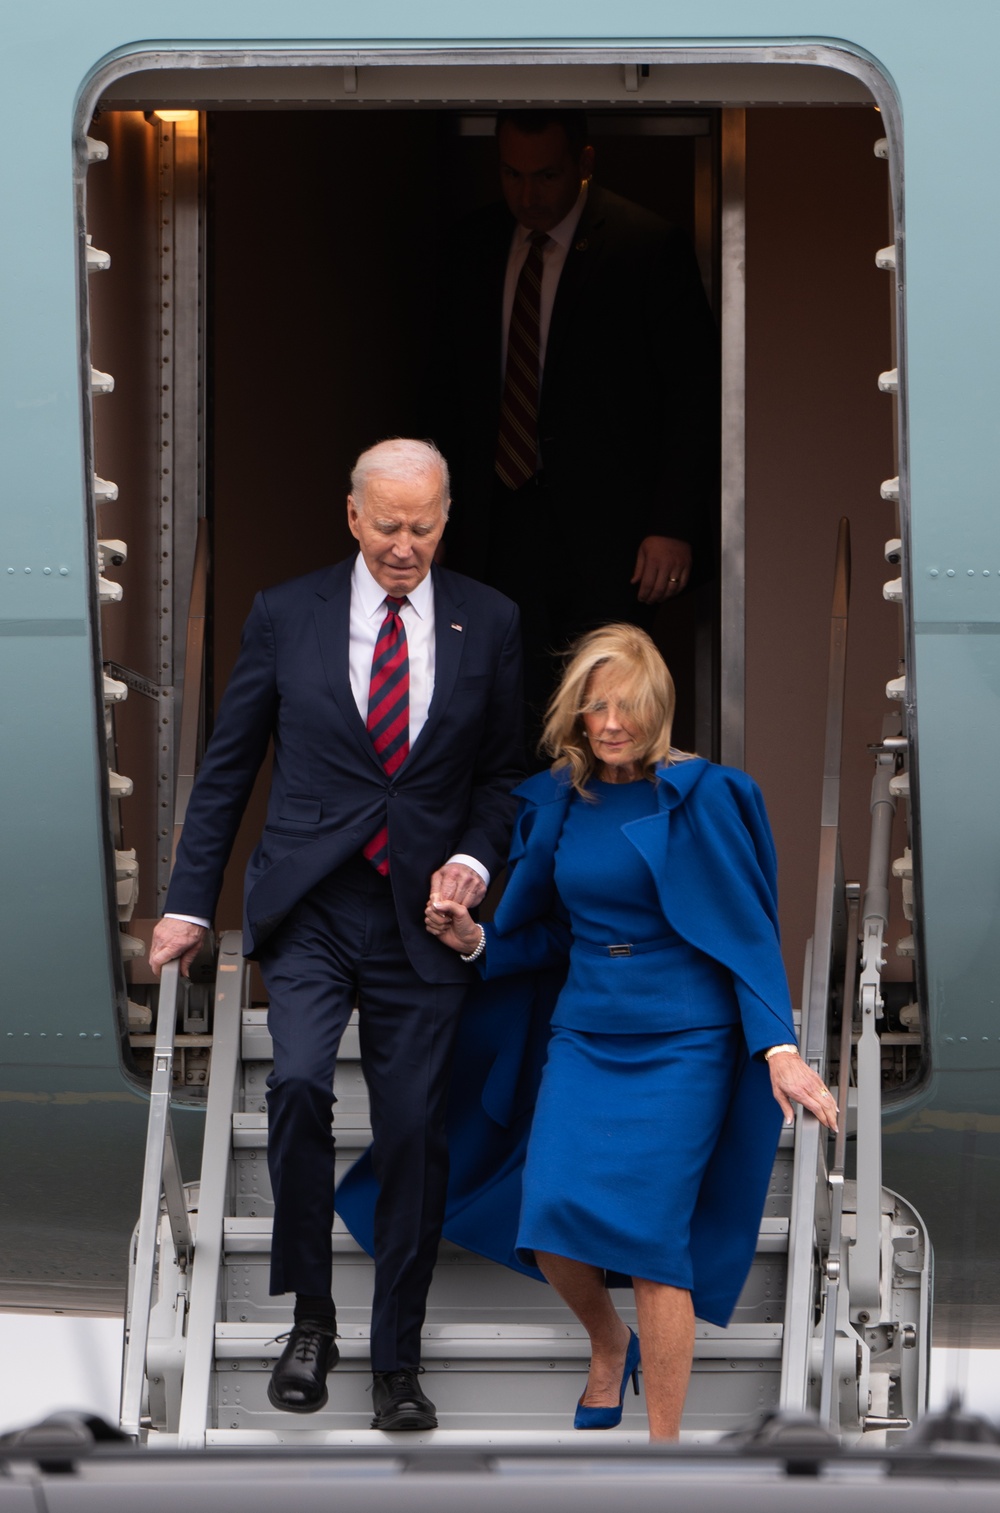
{"x": 214, "y": 1187}
{"x": 181, "y": 470}
{"x": 732, "y": 605}
{"x": 810, "y": 1181}
{"x": 145, "y": 1256}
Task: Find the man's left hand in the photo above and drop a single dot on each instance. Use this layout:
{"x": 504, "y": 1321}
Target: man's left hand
{"x": 662, "y": 568}
{"x": 459, "y": 883}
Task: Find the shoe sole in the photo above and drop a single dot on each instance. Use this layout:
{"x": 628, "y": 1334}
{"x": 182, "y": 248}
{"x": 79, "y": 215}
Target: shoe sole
{"x": 405, "y": 1419}
{"x": 276, "y": 1402}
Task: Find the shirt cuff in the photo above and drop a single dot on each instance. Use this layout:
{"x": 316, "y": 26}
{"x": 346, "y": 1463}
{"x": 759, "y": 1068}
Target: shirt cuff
{"x": 191, "y": 919}
{"x": 470, "y": 861}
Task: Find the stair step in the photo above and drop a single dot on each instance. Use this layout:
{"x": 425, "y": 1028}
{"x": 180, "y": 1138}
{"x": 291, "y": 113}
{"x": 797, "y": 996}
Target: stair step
{"x": 253, "y": 1235}
{"x": 351, "y": 1129}
{"x": 377, "y": 1439}
{"x": 489, "y": 1378}
{"x": 256, "y": 1044}
{"x": 485, "y": 1346}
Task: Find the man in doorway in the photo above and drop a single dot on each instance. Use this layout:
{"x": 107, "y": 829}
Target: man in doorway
{"x": 391, "y": 690}
{"x": 579, "y": 397}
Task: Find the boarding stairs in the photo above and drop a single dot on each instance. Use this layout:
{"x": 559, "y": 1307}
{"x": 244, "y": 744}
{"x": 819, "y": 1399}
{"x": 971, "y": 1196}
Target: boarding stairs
{"x": 833, "y": 1318}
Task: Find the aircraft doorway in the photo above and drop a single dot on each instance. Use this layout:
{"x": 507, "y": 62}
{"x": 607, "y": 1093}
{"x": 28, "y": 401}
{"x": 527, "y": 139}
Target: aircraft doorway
{"x": 325, "y": 317}
{"x": 322, "y": 234}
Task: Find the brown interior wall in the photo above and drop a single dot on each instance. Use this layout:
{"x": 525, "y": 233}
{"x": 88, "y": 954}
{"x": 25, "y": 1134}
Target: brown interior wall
{"x": 122, "y": 203}
{"x": 320, "y": 229}
{"x": 327, "y": 237}
{"x": 819, "y": 443}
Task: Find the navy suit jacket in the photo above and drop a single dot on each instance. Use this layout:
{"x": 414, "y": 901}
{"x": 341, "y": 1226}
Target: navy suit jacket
{"x": 329, "y": 791}
{"x": 628, "y": 412}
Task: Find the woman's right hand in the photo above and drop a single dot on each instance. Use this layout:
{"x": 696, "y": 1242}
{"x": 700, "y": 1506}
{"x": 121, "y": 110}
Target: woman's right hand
{"x": 452, "y": 923}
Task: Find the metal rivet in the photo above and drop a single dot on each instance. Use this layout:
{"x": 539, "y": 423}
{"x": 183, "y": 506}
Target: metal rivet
{"x": 934, "y": 572}
{"x": 59, "y": 1034}
{"x": 951, "y": 572}
{"x": 83, "y": 1034}
{"x": 10, "y": 569}
{"x": 63, "y": 572}
{"x": 970, "y": 572}
{"x": 27, "y": 569}
{"x": 47, "y": 571}
{"x": 963, "y": 1038}
{"x": 97, "y": 1034}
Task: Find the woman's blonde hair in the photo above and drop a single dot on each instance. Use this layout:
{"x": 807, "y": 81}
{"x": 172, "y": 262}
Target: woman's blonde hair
{"x": 644, "y": 692}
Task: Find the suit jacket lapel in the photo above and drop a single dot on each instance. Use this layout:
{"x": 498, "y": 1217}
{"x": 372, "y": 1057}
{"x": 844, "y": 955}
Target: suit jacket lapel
{"x": 451, "y": 629}
{"x": 333, "y": 628}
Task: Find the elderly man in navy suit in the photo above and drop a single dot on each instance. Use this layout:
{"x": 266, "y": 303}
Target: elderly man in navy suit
{"x": 390, "y": 688}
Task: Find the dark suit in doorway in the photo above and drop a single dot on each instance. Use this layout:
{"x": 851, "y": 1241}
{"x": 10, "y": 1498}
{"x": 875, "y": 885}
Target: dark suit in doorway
{"x": 627, "y": 422}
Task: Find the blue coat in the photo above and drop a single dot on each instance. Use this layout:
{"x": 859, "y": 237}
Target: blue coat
{"x": 712, "y": 858}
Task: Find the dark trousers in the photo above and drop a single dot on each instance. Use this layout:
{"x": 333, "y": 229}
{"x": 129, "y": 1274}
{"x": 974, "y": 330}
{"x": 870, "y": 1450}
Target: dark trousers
{"x": 338, "y": 947}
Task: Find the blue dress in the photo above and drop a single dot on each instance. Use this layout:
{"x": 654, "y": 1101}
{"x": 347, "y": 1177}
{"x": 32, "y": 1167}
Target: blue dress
{"x": 645, "y": 1048}
{"x": 640, "y": 1066}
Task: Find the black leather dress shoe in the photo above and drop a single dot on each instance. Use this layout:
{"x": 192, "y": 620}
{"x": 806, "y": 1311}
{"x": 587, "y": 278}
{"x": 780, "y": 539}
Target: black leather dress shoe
{"x": 399, "y": 1402}
{"x": 298, "y": 1381}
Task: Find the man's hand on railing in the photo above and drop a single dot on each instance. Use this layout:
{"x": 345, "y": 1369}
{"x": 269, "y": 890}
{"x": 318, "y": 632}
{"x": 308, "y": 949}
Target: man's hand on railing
{"x": 792, "y": 1078}
{"x": 175, "y": 939}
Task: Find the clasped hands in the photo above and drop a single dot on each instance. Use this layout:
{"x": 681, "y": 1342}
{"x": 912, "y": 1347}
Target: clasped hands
{"x": 447, "y": 913}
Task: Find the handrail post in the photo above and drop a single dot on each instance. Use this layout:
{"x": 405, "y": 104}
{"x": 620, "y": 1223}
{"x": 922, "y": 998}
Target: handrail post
{"x": 808, "y": 1177}
{"x": 836, "y": 1254}
{"x": 158, "y": 1134}
{"x": 212, "y": 1193}
{"x": 865, "y": 1269}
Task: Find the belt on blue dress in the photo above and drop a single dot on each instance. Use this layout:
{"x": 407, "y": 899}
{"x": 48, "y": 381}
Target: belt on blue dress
{"x": 628, "y": 948}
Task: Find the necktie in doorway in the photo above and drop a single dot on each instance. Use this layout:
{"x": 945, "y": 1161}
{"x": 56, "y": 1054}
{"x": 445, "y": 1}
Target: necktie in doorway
{"x": 517, "y": 440}
{"x": 389, "y": 712}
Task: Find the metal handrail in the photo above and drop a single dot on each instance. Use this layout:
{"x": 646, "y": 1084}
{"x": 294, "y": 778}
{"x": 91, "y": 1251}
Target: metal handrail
{"x": 162, "y": 1183}
{"x": 212, "y": 1193}
{"x": 866, "y": 1255}
{"x": 160, "y": 1176}
{"x": 810, "y": 1186}
{"x": 836, "y": 1253}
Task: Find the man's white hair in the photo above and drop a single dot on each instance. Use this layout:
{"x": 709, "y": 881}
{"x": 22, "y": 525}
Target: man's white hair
{"x": 404, "y": 460}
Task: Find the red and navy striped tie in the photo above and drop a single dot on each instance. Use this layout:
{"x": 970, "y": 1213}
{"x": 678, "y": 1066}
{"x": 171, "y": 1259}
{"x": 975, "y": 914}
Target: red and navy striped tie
{"x": 389, "y": 712}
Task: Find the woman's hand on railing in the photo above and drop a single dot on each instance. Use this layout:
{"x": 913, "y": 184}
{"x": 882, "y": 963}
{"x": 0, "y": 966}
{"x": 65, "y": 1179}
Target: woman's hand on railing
{"x": 175, "y": 939}
{"x": 452, "y": 923}
{"x": 792, "y": 1078}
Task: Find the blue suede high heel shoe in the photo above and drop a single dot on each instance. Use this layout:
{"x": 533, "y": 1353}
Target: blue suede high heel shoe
{"x": 610, "y": 1418}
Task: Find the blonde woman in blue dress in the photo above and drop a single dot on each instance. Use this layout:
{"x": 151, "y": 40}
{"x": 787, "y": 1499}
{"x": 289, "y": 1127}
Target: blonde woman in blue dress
{"x": 650, "y": 875}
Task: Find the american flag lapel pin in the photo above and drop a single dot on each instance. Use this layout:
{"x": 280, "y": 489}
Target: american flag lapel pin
{"x": 454, "y": 626}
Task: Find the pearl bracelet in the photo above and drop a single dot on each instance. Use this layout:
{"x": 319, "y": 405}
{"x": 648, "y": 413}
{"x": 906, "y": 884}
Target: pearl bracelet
{"x": 773, "y": 1050}
{"x": 475, "y": 955}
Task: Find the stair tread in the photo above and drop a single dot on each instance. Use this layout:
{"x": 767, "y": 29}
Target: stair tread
{"x": 377, "y": 1438}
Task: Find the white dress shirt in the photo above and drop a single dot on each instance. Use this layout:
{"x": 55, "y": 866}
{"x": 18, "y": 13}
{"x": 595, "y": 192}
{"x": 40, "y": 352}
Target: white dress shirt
{"x": 554, "y": 255}
{"x": 367, "y": 615}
